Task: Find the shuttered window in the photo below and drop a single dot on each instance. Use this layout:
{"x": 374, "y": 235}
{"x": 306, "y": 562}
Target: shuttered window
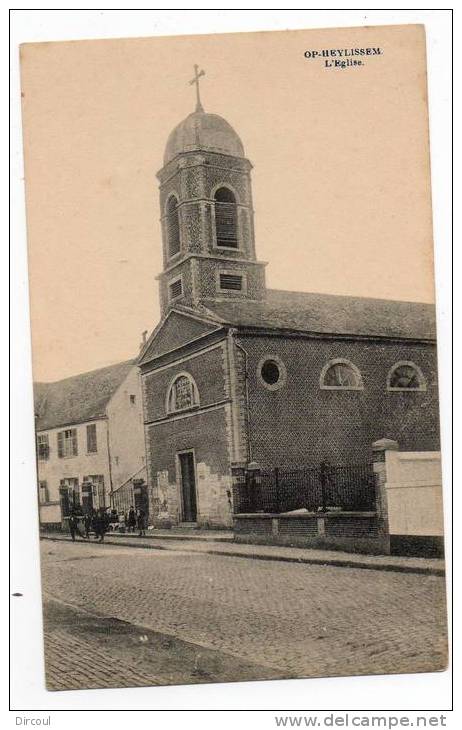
{"x": 43, "y": 449}
{"x": 231, "y": 281}
{"x": 44, "y": 495}
{"x": 226, "y": 218}
{"x": 67, "y": 443}
{"x": 173, "y": 227}
{"x": 176, "y": 289}
{"x": 92, "y": 444}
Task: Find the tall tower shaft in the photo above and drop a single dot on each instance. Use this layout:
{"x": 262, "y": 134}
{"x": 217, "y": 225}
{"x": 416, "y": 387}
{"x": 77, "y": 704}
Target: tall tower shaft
{"x": 207, "y": 215}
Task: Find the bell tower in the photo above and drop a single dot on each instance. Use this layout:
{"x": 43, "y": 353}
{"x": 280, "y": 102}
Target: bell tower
{"x": 207, "y": 214}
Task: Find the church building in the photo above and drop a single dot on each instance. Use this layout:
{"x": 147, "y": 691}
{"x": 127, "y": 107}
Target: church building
{"x": 237, "y": 373}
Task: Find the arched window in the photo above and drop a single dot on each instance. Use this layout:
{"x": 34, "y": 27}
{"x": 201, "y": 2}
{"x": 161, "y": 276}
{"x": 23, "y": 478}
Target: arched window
{"x": 341, "y": 375}
{"x": 226, "y": 218}
{"x": 182, "y": 393}
{"x": 173, "y": 226}
{"x": 406, "y": 376}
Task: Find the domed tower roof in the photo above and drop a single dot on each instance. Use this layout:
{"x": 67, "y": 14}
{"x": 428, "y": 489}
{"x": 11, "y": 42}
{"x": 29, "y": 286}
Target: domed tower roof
{"x": 202, "y": 131}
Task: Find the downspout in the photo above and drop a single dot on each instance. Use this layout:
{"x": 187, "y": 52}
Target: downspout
{"x": 232, "y": 394}
{"x": 109, "y": 463}
{"x": 247, "y": 402}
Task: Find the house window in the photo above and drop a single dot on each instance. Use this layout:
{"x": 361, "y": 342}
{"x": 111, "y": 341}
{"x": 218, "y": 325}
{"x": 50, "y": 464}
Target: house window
{"x": 232, "y": 282}
{"x": 43, "y": 448}
{"x": 44, "y": 495}
{"x": 92, "y": 444}
{"x": 69, "y": 494}
{"x": 225, "y": 218}
{"x": 182, "y": 394}
{"x": 406, "y": 376}
{"x": 341, "y": 375}
{"x": 133, "y": 399}
{"x": 176, "y": 289}
{"x": 271, "y": 372}
{"x": 67, "y": 443}
{"x": 95, "y": 486}
{"x": 173, "y": 226}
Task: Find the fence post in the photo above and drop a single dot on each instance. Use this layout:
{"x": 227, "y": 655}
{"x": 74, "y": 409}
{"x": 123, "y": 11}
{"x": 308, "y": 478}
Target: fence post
{"x": 379, "y": 451}
{"x": 238, "y": 479}
{"x": 276, "y": 486}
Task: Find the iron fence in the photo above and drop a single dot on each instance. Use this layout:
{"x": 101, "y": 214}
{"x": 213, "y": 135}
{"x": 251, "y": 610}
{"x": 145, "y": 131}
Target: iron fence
{"x": 349, "y": 487}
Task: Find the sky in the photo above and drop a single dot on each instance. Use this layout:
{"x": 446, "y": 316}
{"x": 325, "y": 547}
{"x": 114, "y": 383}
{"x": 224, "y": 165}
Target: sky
{"x": 340, "y": 179}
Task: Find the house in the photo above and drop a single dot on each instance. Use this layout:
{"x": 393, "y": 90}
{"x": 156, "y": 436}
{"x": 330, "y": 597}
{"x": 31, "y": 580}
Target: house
{"x": 90, "y": 442}
{"x": 237, "y": 373}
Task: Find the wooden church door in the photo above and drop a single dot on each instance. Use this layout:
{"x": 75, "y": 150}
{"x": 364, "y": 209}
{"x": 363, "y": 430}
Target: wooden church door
{"x": 188, "y": 486}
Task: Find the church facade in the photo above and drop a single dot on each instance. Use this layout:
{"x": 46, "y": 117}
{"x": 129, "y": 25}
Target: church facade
{"x": 237, "y": 373}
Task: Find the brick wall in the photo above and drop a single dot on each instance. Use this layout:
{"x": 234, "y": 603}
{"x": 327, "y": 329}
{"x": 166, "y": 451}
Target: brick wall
{"x": 207, "y": 369}
{"x": 207, "y": 433}
{"x": 301, "y": 423}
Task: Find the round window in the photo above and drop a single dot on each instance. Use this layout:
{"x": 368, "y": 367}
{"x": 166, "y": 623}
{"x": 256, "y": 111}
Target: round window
{"x": 270, "y": 372}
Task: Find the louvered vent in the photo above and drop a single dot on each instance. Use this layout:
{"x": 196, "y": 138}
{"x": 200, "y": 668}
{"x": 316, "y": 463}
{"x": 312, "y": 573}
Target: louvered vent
{"x": 231, "y": 281}
{"x": 176, "y": 289}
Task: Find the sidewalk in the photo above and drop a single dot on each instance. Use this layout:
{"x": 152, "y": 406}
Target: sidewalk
{"x": 220, "y": 543}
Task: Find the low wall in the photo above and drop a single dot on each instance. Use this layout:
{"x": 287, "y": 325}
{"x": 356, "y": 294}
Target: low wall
{"x": 414, "y": 499}
{"x": 361, "y": 532}
{"x": 50, "y": 514}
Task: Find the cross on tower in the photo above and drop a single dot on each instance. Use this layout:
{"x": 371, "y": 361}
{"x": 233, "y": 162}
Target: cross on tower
{"x": 195, "y": 80}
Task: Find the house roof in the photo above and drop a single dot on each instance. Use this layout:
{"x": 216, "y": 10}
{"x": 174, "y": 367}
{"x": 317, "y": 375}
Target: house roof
{"x": 78, "y": 399}
{"x": 328, "y": 314}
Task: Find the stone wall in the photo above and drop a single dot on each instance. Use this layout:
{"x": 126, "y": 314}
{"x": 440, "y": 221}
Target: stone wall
{"x": 351, "y": 531}
{"x": 411, "y": 499}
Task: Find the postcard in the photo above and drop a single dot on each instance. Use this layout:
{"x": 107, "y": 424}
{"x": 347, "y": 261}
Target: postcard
{"x": 234, "y": 355}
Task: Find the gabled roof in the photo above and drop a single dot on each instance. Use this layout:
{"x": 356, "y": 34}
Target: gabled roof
{"x": 178, "y": 327}
{"x": 327, "y": 314}
{"x": 78, "y": 399}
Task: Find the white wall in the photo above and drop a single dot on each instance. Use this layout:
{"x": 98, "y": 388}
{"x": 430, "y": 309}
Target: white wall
{"x": 54, "y": 468}
{"x": 414, "y": 494}
{"x": 126, "y": 431}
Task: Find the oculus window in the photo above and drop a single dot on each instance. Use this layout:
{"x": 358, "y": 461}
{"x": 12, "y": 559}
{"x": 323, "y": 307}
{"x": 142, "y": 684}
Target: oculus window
{"x": 271, "y": 372}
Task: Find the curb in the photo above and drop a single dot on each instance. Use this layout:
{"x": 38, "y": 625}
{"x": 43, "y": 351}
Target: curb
{"x": 175, "y": 536}
{"x": 337, "y": 563}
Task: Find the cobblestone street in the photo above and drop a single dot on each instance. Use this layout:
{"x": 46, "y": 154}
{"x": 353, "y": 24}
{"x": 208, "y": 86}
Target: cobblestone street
{"x": 122, "y": 616}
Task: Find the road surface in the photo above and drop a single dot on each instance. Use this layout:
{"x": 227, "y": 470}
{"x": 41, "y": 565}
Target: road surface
{"x": 120, "y": 616}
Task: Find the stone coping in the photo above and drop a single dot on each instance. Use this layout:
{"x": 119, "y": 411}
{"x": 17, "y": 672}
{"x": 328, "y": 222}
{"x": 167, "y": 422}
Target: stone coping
{"x": 299, "y": 516}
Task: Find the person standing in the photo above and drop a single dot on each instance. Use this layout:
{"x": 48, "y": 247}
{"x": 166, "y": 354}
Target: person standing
{"x": 74, "y": 527}
{"x": 99, "y": 524}
{"x": 131, "y": 519}
{"x": 141, "y": 519}
{"x": 87, "y": 523}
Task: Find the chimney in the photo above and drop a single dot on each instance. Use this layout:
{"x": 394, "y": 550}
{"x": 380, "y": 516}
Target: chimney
{"x": 144, "y": 339}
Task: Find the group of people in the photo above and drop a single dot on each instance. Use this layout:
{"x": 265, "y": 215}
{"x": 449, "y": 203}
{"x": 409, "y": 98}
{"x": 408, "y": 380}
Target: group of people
{"x": 96, "y": 520}
{"x": 99, "y": 521}
{"x": 132, "y": 520}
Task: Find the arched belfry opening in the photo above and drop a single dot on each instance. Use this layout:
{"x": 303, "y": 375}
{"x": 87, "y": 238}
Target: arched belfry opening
{"x": 173, "y": 226}
{"x": 226, "y": 218}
